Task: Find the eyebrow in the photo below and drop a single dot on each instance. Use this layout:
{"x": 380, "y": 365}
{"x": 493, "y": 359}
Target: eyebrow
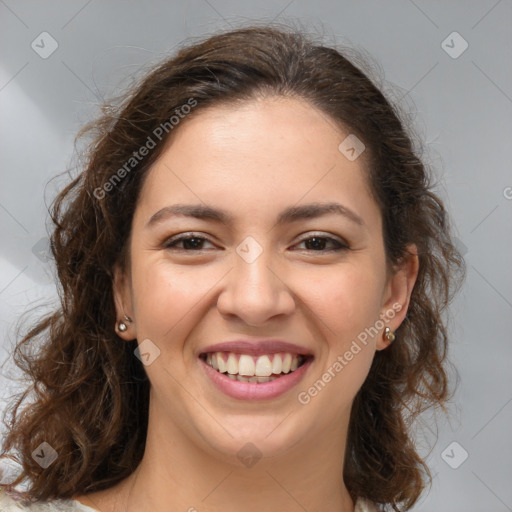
{"x": 289, "y": 215}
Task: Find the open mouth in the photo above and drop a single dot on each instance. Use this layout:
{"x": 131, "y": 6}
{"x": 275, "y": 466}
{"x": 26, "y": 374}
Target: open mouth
{"x": 259, "y": 369}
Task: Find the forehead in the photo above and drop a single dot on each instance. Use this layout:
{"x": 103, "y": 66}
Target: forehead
{"x": 258, "y": 157}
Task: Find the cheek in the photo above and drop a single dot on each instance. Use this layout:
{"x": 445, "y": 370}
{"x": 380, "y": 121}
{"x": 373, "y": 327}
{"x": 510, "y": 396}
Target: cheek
{"x": 345, "y": 304}
{"x": 166, "y": 295}
{"x": 346, "y": 299}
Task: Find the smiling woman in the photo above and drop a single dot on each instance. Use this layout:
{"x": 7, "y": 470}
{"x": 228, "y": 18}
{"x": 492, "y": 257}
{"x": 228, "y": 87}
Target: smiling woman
{"x": 253, "y": 313}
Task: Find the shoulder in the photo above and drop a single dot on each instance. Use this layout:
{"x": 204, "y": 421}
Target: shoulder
{"x": 364, "y": 505}
{"x": 13, "y": 502}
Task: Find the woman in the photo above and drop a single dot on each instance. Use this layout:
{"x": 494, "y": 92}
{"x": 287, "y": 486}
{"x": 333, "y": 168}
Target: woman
{"x": 253, "y": 268}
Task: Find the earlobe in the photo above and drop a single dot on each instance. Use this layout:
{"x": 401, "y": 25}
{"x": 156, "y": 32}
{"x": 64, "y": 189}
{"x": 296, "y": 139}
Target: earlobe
{"x": 398, "y": 296}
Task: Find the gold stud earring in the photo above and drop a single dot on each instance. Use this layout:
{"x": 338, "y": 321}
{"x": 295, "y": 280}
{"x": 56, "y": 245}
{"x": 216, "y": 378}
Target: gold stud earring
{"x": 389, "y": 334}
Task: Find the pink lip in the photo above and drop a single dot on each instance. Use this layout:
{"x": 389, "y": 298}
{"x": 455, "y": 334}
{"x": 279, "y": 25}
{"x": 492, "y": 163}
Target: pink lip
{"x": 255, "y": 390}
{"x": 256, "y": 347}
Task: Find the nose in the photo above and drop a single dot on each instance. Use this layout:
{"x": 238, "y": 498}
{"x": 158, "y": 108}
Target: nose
{"x": 256, "y": 291}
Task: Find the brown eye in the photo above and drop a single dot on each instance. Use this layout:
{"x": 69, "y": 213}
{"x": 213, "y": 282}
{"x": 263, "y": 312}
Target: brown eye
{"x": 318, "y": 244}
{"x": 190, "y": 243}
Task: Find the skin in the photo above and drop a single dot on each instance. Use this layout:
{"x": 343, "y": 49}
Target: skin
{"x": 253, "y": 161}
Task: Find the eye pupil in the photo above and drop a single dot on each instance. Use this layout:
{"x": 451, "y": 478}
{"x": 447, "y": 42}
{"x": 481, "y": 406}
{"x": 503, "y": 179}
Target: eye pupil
{"x": 189, "y": 242}
{"x": 316, "y": 243}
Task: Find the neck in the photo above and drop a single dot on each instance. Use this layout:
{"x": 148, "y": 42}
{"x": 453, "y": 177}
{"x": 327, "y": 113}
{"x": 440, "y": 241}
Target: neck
{"x": 177, "y": 474}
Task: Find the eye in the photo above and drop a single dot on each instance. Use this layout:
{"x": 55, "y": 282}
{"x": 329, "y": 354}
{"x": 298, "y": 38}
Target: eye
{"x": 191, "y": 242}
{"x": 317, "y": 243}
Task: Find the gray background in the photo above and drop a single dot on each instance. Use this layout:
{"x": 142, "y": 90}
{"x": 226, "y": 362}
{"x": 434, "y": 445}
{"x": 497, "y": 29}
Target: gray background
{"x": 462, "y": 111}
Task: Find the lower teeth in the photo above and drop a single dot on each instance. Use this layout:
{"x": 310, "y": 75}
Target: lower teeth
{"x": 242, "y": 378}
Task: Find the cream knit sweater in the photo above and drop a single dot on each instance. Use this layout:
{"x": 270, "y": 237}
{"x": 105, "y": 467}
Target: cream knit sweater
{"x": 8, "y": 503}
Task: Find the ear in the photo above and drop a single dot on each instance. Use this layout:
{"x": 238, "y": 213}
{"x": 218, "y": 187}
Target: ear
{"x": 122, "y": 300}
{"x": 397, "y": 293}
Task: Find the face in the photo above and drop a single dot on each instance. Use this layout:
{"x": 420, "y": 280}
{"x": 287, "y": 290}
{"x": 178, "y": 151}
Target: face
{"x": 261, "y": 261}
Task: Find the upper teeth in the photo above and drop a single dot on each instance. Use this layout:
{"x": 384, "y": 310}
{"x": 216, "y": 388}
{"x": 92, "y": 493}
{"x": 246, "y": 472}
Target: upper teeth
{"x": 260, "y": 366}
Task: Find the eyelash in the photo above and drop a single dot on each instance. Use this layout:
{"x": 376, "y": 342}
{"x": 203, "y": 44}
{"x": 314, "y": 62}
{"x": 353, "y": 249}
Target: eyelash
{"x": 171, "y": 243}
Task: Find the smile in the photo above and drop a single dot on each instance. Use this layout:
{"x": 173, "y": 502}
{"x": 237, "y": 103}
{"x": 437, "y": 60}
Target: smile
{"x": 251, "y": 377}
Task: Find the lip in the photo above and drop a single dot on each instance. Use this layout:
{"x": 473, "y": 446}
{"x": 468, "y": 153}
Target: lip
{"x": 256, "y": 347}
{"x": 255, "y": 390}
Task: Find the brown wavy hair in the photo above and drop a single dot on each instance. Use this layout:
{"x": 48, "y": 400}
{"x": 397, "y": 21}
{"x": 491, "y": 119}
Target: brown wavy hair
{"x": 90, "y": 394}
